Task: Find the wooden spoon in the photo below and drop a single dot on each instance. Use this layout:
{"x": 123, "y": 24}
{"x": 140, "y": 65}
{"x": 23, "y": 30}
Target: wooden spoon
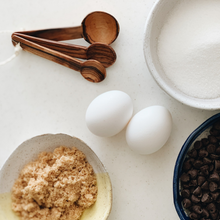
{"x": 97, "y": 26}
{"x": 97, "y": 51}
{"x": 91, "y": 70}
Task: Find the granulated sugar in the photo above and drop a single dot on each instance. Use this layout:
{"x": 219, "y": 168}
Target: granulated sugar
{"x": 189, "y": 47}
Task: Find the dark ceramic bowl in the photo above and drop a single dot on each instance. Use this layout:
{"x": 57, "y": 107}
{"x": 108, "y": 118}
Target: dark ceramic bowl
{"x": 195, "y": 135}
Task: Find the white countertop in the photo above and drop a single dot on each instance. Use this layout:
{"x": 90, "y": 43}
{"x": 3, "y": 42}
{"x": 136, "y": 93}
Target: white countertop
{"x": 38, "y": 96}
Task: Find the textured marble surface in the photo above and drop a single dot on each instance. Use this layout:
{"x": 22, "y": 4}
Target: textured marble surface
{"x": 38, "y": 96}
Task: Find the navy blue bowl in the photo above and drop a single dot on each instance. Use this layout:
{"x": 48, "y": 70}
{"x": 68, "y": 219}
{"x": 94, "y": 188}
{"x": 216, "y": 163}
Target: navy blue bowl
{"x": 179, "y": 162}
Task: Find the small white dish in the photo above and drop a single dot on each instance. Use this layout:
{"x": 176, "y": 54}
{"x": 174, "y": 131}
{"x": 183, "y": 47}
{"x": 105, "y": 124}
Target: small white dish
{"x": 153, "y": 26}
{"x": 28, "y": 151}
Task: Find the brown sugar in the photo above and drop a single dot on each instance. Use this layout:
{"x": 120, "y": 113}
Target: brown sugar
{"x": 58, "y": 185}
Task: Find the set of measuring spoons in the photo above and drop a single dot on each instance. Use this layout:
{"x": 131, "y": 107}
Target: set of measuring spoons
{"x": 98, "y": 28}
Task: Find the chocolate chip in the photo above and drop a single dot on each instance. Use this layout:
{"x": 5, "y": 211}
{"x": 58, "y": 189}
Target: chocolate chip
{"x": 205, "y": 169}
{"x": 211, "y": 207}
{"x": 203, "y": 153}
{"x": 205, "y": 185}
{"x": 211, "y": 148}
{"x": 214, "y": 215}
{"x": 206, "y": 161}
{"x": 206, "y": 198}
{"x": 200, "y": 173}
{"x": 217, "y": 150}
{"x": 193, "y": 183}
{"x": 215, "y": 195}
{"x": 200, "y": 195}
{"x": 193, "y": 173}
{"x": 216, "y": 125}
{"x": 192, "y": 153}
{"x": 217, "y": 164}
{"x": 218, "y": 200}
{"x": 214, "y": 156}
{"x": 191, "y": 189}
{"x": 197, "y": 209}
{"x": 212, "y": 139}
{"x": 205, "y": 142}
{"x": 194, "y": 215}
{"x": 214, "y": 177}
{"x": 185, "y": 186}
{"x": 197, "y": 191}
{"x": 195, "y": 199}
{"x": 198, "y": 145}
{"x": 205, "y": 213}
{"x": 191, "y": 160}
{"x": 185, "y": 193}
{"x": 201, "y": 180}
{"x": 185, "y": 178}
{"x": 214, "y": 131}
{"x": 211, "y": 167}
{"x": 197, "y": 164}
{"x": 186, "y": 203}
{"x": 217, "y": 206}
{"x": 187, "y": 165}
{"x": 213, "y": 186}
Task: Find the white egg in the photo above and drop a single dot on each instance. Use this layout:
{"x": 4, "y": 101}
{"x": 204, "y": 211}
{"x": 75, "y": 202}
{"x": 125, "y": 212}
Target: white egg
{"x": 149, "y": 130}
{"x": 109, "y": 113}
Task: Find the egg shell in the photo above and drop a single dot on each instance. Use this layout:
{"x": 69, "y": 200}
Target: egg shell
{"x": 109, "y": 113}
{"x": 149, "y": 129}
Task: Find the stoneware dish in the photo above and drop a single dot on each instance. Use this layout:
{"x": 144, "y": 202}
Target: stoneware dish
{"x": 28, "y": 152}
{"x": 197, "y": 134}
{"x": 153, "y": 26}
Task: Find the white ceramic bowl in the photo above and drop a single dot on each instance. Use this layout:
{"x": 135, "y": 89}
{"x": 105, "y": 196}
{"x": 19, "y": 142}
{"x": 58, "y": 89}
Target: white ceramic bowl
{"x": 28, "y": 151}
{"x": 154, "y": 23}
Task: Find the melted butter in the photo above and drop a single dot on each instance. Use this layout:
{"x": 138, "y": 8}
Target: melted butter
{"x": 102, "y": 206}
{"x": 98, "y": 211}
{"x": 6, "y": 212}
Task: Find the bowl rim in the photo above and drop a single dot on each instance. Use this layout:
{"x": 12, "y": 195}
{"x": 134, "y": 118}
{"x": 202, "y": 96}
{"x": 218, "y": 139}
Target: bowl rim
{"x": 178, "y": 165}
{"x": 207, "y": 104}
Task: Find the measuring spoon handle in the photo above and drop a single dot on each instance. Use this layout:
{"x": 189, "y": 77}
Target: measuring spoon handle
{"x": 49, "y": 54}
{"x": 57, "y": 34}
{"x": 68, "y": 49}
{"x": 91, "y": 70}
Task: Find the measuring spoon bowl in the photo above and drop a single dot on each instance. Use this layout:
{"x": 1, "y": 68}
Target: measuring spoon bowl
{"x": 97, "y": 26}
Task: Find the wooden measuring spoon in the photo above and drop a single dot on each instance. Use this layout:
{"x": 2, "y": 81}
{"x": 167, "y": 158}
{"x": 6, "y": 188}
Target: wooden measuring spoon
{"x": 97, "y": 26}
{"x": 91, "y": 70}
{"x": 97, "y": 51}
